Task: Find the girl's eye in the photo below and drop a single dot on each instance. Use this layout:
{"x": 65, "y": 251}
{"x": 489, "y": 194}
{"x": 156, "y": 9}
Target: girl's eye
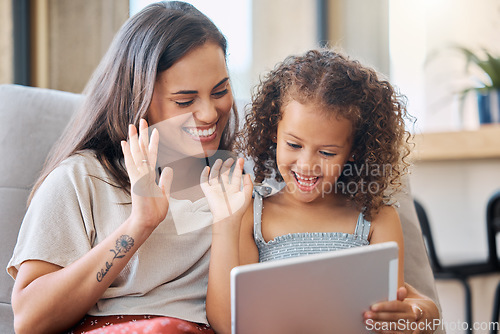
{"x": 220, "y": 93}
{"x": 184, "y": 104}
{"x": 327, "y": 154}
{"x": 292, "y": 145}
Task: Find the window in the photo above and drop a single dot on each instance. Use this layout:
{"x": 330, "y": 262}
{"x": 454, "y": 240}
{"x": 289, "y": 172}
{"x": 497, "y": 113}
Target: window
{"x": 236, "y": 26}
{"x": 420, "y": 28}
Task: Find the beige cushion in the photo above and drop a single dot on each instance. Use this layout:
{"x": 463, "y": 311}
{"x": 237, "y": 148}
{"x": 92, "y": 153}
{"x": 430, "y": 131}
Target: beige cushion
{"x": 31, "y": 119}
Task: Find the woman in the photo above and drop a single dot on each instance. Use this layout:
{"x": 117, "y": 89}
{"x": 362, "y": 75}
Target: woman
{"x": 93, "y": 248}
{"x": 77, "y": 250}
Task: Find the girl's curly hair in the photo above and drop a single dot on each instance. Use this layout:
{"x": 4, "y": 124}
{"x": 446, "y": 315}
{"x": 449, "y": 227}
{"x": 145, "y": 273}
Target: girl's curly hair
{"x": 341, "y": 87}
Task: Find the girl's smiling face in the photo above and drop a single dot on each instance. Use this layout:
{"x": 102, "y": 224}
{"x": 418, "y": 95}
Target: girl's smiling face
{"x": 311, "y": 150}
{"x": 191, "y": 103}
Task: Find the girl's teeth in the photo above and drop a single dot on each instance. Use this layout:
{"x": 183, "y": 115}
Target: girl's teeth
{"x": 302, "y": 183}
{"x": 305, "y": 181}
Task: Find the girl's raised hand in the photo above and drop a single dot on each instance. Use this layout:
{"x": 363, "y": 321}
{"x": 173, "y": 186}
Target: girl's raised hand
{"x": 149, "y": 200}
{"x": 225, "y": 194}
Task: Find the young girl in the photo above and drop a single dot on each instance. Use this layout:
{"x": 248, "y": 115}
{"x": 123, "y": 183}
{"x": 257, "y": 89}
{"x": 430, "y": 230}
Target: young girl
{"x": 334, "y": 133}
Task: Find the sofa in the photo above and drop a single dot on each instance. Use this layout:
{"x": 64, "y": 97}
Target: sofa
{"x": 33, "y": 118}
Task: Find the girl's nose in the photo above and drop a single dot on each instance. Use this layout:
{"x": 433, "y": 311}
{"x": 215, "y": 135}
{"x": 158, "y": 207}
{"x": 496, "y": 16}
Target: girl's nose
{"x": 307, "y": 163}
{"x": 206, "y": 113}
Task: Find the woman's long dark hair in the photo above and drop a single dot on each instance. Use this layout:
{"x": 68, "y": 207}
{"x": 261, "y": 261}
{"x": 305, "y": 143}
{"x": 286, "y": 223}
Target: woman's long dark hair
{"x": 120, "y": 90}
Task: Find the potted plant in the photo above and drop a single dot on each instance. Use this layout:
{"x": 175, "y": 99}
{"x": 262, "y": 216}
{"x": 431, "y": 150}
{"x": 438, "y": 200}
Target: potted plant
{"x": 488, "y": 96}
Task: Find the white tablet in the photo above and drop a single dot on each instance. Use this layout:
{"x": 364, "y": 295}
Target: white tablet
{"x": 320, "y": 293}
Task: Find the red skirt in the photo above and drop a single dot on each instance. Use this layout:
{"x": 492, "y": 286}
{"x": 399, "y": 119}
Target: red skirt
{"x": 118, "y": 324}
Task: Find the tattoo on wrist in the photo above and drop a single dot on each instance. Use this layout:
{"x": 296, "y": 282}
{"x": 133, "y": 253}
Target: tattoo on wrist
{"x": 123, "y": 245}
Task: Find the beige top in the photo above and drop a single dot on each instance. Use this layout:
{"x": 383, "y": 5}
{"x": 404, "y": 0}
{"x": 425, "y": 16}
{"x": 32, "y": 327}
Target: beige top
{"x": 75, "y": 209}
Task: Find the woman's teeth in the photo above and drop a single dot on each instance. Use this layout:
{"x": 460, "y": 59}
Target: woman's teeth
{"x": 202, "y": 133}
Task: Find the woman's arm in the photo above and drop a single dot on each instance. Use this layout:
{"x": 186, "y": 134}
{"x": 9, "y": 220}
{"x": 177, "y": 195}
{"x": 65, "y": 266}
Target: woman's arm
{"x": 228, "y": 203}
{"x": 47, "y": 298}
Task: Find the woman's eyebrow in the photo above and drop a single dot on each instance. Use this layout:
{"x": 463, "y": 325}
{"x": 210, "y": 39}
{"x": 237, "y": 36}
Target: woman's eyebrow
{"x": 186, "y": 92}
{"x": 221, "y": 82}
{"x": 196, "y": 92}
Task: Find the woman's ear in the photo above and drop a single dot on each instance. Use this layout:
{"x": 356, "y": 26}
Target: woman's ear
{"x": 275, "y": 139}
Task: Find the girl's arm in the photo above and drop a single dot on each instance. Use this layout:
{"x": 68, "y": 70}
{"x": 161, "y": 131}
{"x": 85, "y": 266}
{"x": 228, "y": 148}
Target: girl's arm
{"x": 248, "y": 249}
{"x": 47, "y": 298}
{"x": 412, "y": 312}
{"x": 228, "y": 203}
{"x": 386, "y": 226}
{"x": 410, "y": 307}
{"x": 426, "y": 311}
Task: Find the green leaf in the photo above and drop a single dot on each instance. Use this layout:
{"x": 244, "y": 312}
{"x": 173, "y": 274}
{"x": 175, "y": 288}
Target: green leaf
{"x": 470, "y": 57}
{"x": 494, "y": 73}
{"x": 490, "y": 65}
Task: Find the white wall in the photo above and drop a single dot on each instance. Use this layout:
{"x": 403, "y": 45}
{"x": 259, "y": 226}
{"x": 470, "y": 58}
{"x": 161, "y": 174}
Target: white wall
{"x": 419, "y": 28}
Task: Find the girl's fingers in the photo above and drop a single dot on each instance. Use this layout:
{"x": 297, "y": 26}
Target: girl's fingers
{"x": 390, "y": 306}
{"x": 204, "y": 176}
{"x": 238, "y": 171}
{"x": 215, "y": 172}
{"x": 388, "y": 316}
{"x": 226, "y": 169}
{"x": 390, "y": 311}
{"x": 247, "y": 182}
{"x": 402, "y": 293}
{"x": 247, "y": 186}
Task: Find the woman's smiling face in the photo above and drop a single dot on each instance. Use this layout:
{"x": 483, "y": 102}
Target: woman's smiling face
{"x": 311, "y": 150}
{"x": 192, "y": 103}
